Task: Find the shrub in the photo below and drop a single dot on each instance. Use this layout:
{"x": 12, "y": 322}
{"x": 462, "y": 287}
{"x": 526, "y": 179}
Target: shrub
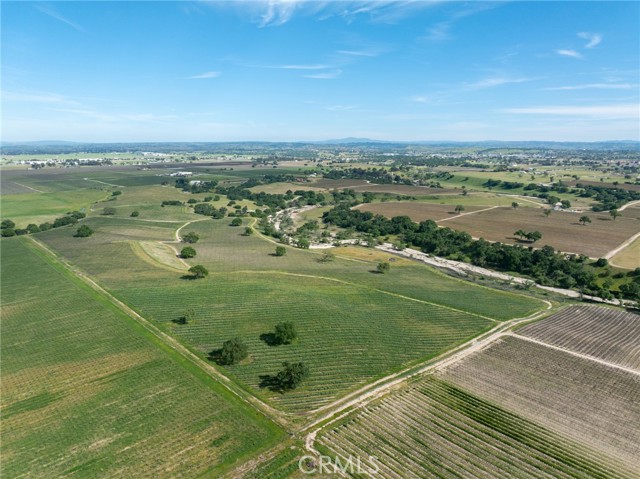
{"x": 188, "y": 252}
{"x": 190, "y": 237}
{"x": 135, "y": 213}
{"x": 236, "y": 222}
{"x": 281, "y": 250}
{"x": 83, "y": 232}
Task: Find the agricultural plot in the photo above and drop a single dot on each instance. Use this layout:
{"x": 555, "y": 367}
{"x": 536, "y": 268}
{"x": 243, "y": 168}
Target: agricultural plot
{"x": 416, "y": 211}
{"x": 608, "y": 334}
{"x": 562, "y": 230}
{"x": 435, "y": 429}
{"x": 86, "y": 392}
{"x": 588, "y": 402}
{"x": 282, "y": 188}
{"x": 357, "y": 325}
{"x": 404, "y": 190}
{"x": 39, "y": 208}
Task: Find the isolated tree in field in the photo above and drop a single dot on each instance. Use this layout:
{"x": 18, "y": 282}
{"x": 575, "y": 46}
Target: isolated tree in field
{"x": 188, "y": 316}
{"x": 285, "y": 332}
{"x": 188, "y": 252}
{"x": 116, "y": 193}
{"x": 614, "y": 214}
{"x": 233, "y": 351}
{"x": 547, "y": 212}
{"x": 520, "y": 234}
{"x": 533, "y": 236}
{"x": 33, "y": 228}
{"x": 327, "y": 257}
{"x": 190, "y": 237}
{"x": 459, "y": 209}
{"x": 291, "y": 375}
{"x": 236, "y": 222}
{"x": 584, "y": 220}
{"x": 383, "y": 267}
{"x": 6, "y": 224}
{"x": 135, "y": 213}
{"x": 281, "y": 250}
{"x": 198, "y": 271}
{"x": 514, "y": 205}
{"x": 248, "y": 231}
{"x": 83, "y": 232}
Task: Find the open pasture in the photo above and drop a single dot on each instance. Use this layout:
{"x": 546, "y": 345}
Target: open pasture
{"x": 604, "y": 333}
{"x": 407, "y": 190}
{"x": 589, "y": 402}
{"x": 561, "y": 230}
{"x": 629, "y": 257}
{"x": 282, "y": 188}
{"x": 435, "y": 429}
{"x": 414, "y": 210}
{"x": 86, "y": 392}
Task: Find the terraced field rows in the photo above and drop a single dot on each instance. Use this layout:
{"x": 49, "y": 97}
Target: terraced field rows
{"x": 584, "y": 400}
{"x": 609, "y": 334}
{"x": 434, "y": 429}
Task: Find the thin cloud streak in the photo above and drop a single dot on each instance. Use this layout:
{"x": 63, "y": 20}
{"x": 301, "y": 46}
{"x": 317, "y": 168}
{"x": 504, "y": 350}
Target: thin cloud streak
{"x": 205, "y": 75}
{"x": 494, "y": 82}
{"x": 601, "y": 86}
{"x": 53, "y": 14}
{"x": 325, "y": 75}
{"x": 569, "y": 53}
{"x": 629, "y": 110}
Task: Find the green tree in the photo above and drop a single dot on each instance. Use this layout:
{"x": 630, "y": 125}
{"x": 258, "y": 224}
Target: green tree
{"x": 83, "y": 232}
{"x": 383, "y": 267}
{"x": 327, "y": 257}
{"x": 285, "y": 332}
{"x": 459, "y": 209}
{"x": 248, "y": 231}
{"x": 6, "y": 224}
{"x": 198, "y": 271}
{"x": 281, "y": 250}
{"x": 190, "y": 237}
{"x": 520, "y": 234}
{"x": 304, "y": 243}
{"x": 291, "y": 375}
{"x": 33, "y": 228}
{"x": 533, "y": 236}
{"x": 233, "y": 351}
{"x": 6, "y": 232}
{"x": 584, "y": 220}
{"x": 188, "y": 252}
{"x": 116, "y": 193}
{"x": 547, "y": 212}
{"x": 614, "y": 214}
{"x": 135, "y": 213}
{"x": 236, "y": 222}
{"x": 188, "y": 316}
{"x": 514, "y": 204}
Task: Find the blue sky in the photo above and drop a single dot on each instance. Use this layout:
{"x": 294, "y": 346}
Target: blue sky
{"x": 302, "y": 70}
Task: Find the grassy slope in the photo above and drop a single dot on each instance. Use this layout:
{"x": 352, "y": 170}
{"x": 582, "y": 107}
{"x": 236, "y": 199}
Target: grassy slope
{"x": 85, "y": 390}
{"x": 351, "y": 332}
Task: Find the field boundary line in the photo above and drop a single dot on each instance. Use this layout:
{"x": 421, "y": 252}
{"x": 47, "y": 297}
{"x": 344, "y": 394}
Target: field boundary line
{"x": 617, "y": 250}
{"x": 177, "y": 232}
{"x": 25, "y": 186}
{"x": 104, "y": 182}
{"x": 250, "y": 400}
{"x": 574, "y": 353}
{"x": 622, "y": 208}
{"x": 469, "y": 213}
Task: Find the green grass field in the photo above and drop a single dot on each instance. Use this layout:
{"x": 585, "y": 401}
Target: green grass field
{"x": 86, "y": 392}
{"x": 355, "y": 325}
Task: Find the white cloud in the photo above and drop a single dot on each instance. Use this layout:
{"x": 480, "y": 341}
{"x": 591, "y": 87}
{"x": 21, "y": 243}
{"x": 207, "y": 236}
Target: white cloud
{"x": 569, "y": 53}
{"x": 303, "y": 67}
{"x": 420, "y": 99}
{"x": 358, "y": 53}
{"x": 341, "y": 107}
{"x": 278, "y": 12}
{"x": 324, "y": 75}
{"x": 205, "y": 75}
{"x": 494, "y": 82}
{"x": 602, "y": 86}
{"x": 629, "y": 110}
{"x": 593, "y": 39}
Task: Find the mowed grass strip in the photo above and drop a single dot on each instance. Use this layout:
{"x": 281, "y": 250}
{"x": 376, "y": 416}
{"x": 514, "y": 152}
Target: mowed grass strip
{"x": 86, "y": 392}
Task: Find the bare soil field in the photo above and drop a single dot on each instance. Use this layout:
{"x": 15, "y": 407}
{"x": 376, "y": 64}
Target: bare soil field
{"x": 631, "y": 212}
{"x": 406, "y": 190}
{"x": 561, "y": 230}
{"x": 416, "y": 211}
{"x": 589, "y": 402}
{"x": 604, "y": 333}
